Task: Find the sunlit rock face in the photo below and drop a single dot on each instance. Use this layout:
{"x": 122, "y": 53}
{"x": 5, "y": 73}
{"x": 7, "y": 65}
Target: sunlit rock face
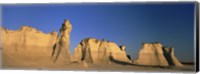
{"x": 87, "y": 50}
{"x": 154, "y": 54}
{"x": 26, "y": 46}
{"x": 61, "y": 50}
{"x": 118, "y": 52}
{"x": 77, "y": 56}
{"x": 29, "y": 46}
{"x": 104, "y": 52}
{"x": 93, "y": 50}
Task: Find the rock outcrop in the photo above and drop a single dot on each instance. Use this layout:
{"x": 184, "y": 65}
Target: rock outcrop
{"x": 154, "y": 54}
{"x": 61, "y": 50}
{"x": 169, "y": 54}
{"x": 26, "y": 45}
{"x": 93, "y": 50}
{"x": 29, "y": 46}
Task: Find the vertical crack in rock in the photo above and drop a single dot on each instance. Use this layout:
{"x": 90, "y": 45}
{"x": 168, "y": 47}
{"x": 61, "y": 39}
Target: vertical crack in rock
{"x": 175, "y": 61}
{"x": 103, "y": 52}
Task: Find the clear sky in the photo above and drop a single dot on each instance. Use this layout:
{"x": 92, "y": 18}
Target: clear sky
{"x": 125, "y": 24}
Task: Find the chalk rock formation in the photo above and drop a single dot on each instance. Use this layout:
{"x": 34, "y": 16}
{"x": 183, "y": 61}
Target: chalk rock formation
{"x": 118, "y": 53}
{"x": 154, "y": 54}
{"x": 26, "y": 45}
{"x": 78, "y": 53}
{"x": 87, "y": 50}
{"x": 169, "y": 54}
{"x": 62, "y": 46}
{"x": 93, "y": 50}
{"x": 104, "y": 52}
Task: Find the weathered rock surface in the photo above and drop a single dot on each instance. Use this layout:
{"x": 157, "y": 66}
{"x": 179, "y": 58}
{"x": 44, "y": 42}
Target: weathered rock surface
{"x": 118, "y": 52}
{"x": 78, "y": 53}
{"x": 104, "y": 52}
{"x": 31, "y": 47}
{"x": 154, "y": 54}
{"x": 26, "y": 45}
{"x": 61, "y": 50}
{"x": 93, "y": 50}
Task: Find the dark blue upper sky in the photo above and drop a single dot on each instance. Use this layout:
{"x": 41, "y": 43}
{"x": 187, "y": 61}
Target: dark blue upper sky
{"x": 125, "y": 24}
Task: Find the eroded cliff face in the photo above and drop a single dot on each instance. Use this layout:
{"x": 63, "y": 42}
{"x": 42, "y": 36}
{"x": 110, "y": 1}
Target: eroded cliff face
{"x": 31, "y": 47}
{"x": 26, "y": 46}
{"x": 62, "y": 46}
{"x": 93, "y": 50}
{"x": 154, "y": 54}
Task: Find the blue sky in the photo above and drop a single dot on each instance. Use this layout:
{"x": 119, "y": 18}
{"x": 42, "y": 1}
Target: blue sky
{"x": 125, "y": 24}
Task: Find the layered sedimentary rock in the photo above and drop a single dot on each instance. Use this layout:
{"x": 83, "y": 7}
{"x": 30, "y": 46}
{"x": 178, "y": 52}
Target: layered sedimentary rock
{"x": 93, "y": 50}
{"x": 26, "y": 45}
{"x": 61, "y": 50}
{"x": 29, "y": 46}
{"x": 154, "y": 54}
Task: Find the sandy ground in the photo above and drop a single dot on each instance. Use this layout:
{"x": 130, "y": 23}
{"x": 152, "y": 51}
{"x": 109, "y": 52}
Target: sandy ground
{"x": 16, "y": 62}
{"x": 102, "y": 67}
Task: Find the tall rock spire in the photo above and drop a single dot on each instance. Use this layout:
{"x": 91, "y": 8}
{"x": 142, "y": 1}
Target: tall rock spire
{"x": 63, "y": 43}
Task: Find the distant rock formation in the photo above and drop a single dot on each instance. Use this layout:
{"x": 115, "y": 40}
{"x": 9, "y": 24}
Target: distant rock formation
{"x": 26, "y": 45}
{"x": 93, "y": 50}
{"x": 63, "y": 43}
{"x": 154, "y": 54}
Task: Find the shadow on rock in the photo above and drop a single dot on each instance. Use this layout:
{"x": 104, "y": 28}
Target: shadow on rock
{"x": 127, "y": 63}
{"x": 119, "y": 62}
